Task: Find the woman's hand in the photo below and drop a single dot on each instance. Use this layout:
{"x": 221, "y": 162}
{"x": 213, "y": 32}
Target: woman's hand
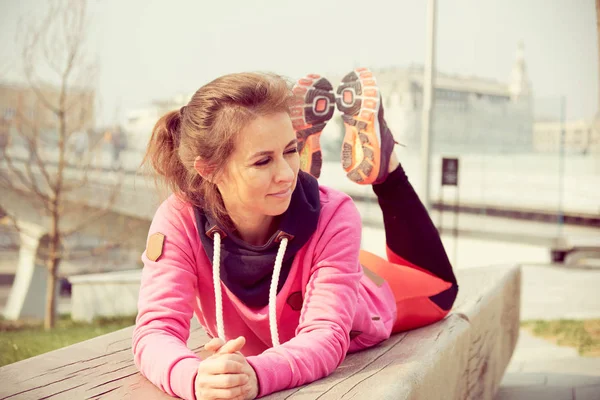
{"x": 216, "y": 344}
{"x": 222, "y": 376}
{"x": 240, "y": 382}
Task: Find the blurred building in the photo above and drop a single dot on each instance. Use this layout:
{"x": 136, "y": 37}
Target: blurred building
{"x": 26, "y": 113}
{"x": 580, "y": 137}
{"x": 140, "y": 122}
{"x": 471, "y": 114}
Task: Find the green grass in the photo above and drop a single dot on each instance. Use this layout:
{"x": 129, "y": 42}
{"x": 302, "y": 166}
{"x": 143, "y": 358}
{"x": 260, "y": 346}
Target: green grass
{"x": 23, "y": 339}
{"x": 584, "y": 335}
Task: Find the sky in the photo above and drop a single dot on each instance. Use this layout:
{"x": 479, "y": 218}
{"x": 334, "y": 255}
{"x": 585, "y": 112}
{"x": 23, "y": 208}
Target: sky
{"x": 149, "y": 50}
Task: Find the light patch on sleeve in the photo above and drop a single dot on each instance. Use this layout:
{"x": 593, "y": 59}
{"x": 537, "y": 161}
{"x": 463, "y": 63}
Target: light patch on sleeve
{"x": 155, "y": 246}
{"x": 373, "y": 276}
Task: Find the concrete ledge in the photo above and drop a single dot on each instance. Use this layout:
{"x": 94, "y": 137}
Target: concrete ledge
{"x": 571, "y": 249}
{"x": 490, "y": 301}
{"x": 130, "y": 276}
{"x": 28, "y": 292}
{"x": 104, "y": 295}
{"x": 462, "y": 357}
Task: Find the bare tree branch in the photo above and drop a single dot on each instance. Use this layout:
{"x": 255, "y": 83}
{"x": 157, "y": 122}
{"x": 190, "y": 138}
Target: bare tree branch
{"x": 33, "y": 148}
{"x": 56, "y": 44}
{"x": 28, "y": 184}
{"x": 98, "y": 212}
{"x": 75, "y": 185}
{"x": 9, "y": 220}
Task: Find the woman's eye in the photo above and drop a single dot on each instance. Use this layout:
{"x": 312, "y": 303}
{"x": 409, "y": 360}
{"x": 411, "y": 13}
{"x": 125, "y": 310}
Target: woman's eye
{"x": 265, "y": 161}
{"x": 262, "y": 162}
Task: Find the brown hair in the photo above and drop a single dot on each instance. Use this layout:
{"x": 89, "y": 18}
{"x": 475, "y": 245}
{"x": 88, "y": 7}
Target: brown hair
{"x": 207, "y": 127}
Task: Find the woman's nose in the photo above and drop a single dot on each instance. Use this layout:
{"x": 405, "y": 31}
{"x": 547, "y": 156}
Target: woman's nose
{"x": 285, "y": 172}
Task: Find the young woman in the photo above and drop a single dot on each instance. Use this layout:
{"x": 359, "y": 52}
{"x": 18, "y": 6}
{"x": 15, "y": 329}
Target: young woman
{"x": 268, "y": 260}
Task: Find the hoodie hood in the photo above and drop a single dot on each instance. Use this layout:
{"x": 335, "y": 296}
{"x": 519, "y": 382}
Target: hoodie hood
{"x": 247, "y": 270}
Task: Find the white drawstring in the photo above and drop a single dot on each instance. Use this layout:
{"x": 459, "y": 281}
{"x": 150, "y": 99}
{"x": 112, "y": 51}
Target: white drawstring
{"x": 273, "y": 292}
{"x": 217, "y": 285}
{"x": 272, "y": 289}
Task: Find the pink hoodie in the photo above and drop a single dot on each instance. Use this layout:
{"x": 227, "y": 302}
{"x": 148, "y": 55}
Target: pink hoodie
{"x": 326, "y": 308}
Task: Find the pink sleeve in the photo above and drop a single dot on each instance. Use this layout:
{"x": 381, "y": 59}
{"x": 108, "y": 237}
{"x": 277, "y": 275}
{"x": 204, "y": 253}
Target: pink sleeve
{"x": 322, "y": 337}
{"x": 165, "y": 307}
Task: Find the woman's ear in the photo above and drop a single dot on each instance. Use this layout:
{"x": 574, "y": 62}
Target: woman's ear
{"x": 203, "y": 169}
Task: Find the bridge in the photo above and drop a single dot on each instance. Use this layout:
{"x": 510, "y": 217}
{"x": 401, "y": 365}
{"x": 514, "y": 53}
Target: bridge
{"x": 515, "y": 211}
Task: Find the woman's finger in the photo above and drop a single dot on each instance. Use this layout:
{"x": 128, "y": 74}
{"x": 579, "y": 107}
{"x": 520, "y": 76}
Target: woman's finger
{"x": 214, "y": 345}
{"x": 224, "y": 381}
{"x": 233, "y": 345}
{"x": 222, "y": 364}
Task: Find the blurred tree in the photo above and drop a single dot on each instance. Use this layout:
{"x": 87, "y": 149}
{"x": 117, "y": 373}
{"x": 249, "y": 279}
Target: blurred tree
{"x": 45, "y": 167}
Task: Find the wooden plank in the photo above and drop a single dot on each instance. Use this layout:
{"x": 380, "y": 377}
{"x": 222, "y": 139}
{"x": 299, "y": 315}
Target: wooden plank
{"x": 462, "y": 357}
{"x": 102, "y": 366}
{"x": 388, "y": 370}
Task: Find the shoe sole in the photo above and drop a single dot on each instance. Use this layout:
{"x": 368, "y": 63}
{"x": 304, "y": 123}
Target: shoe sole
{"x": 358, "y": 100}
{"x": 313, "y": 106}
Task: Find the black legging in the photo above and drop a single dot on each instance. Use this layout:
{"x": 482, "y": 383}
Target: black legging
{"x": 411, "y": 234}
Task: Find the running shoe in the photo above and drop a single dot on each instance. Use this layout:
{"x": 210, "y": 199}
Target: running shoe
{"x": 314, "y": 104}
{"x": 368, "y": 142}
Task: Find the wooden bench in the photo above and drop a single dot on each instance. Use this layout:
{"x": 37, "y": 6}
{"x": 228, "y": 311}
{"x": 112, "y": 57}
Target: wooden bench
{"x": 462, "y": 357}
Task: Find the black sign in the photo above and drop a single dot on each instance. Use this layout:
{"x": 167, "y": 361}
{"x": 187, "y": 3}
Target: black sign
{"x": 449, "y": 171}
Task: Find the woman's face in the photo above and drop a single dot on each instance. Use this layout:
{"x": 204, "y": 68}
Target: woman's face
{"x": 261, "y": 174}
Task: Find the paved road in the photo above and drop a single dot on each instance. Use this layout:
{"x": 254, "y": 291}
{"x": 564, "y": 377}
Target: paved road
{"x": 538, "y": 369}
{"x": 542, "y": 370}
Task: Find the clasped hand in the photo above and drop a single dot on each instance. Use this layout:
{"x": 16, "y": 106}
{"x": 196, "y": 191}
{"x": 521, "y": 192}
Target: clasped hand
{"x": 226, "y": 374}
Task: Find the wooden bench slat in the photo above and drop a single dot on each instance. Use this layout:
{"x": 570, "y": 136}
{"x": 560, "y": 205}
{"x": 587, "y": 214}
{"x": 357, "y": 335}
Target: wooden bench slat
{"x": 99, "y": 366}
{"x": 463, "y": 357}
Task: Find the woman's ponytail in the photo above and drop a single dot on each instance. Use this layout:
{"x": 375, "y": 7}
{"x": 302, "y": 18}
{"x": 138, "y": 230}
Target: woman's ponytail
{"x": 162, "y": 152}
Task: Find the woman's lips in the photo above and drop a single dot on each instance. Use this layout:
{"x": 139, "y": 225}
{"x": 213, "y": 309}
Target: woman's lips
{"x": 283, "y": 193}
